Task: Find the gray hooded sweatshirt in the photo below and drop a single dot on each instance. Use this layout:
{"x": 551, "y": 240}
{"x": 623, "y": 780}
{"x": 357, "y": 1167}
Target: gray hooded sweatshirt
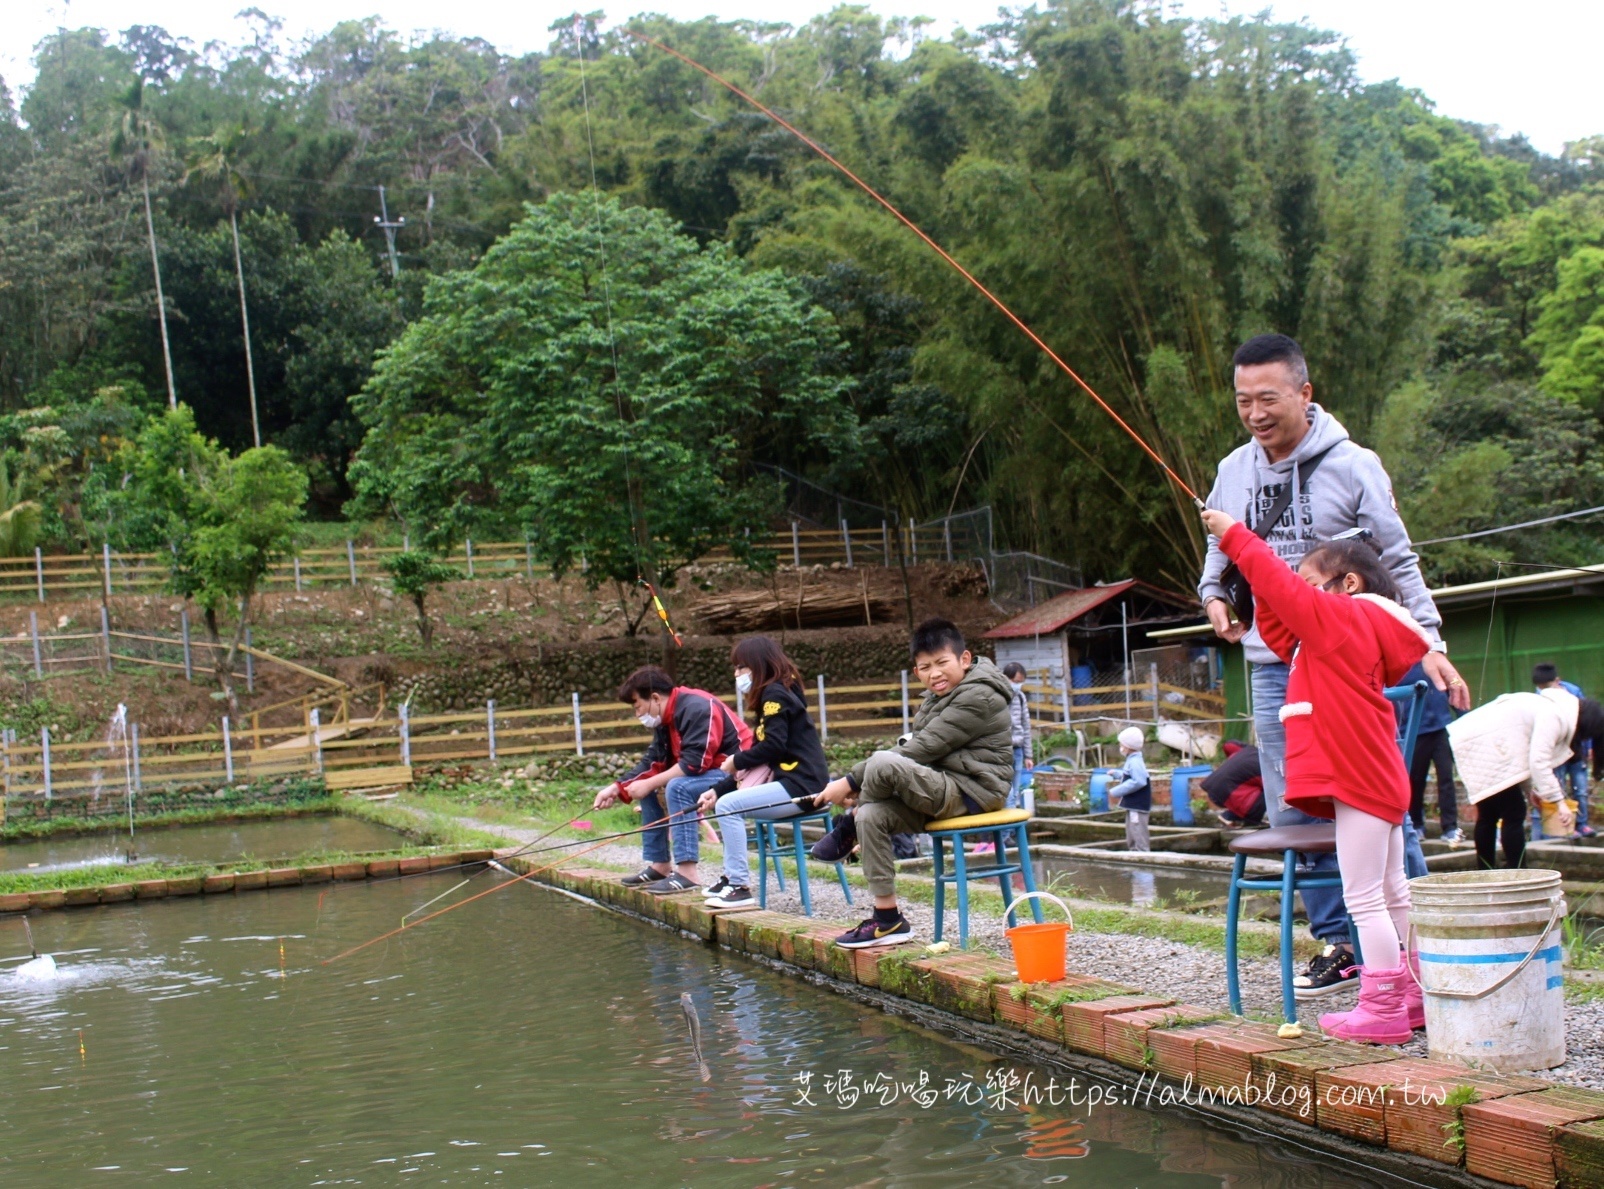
{"x": 1349, "y": 490}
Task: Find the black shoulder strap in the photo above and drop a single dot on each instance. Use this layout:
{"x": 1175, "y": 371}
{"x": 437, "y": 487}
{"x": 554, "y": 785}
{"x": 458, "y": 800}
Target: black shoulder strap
{"x": 1305, "y": 469}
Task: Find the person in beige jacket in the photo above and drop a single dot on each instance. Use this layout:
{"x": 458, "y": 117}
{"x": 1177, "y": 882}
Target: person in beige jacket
{"x": 1506, "y": 752}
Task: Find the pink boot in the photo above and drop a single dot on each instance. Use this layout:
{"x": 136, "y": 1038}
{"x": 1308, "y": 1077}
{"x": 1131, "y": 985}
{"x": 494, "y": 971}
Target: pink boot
{"x": 1380, "y": 1016}
{"x": 1414, "y": 998}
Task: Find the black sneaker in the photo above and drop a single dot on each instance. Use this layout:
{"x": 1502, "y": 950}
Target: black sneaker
{"x": 669, "y": 884}
{"x": 642, "y": 877}
{"x": 838, "y": 843}
{"x": 872, "y": 932}
{"x": 732, "y": 897}
{"x": 716, "y": 890}
{"x": 1333, "y": 970}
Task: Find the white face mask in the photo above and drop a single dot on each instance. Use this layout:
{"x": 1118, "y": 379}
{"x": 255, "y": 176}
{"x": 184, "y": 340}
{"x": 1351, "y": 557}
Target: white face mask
{"x": 743, "y": 683}
{"x": 650, "y": 721}
{"x": 1018, "y": 684}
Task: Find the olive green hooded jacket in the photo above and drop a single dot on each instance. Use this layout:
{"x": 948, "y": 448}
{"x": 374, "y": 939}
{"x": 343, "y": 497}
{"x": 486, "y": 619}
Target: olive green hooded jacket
{"x": 966, "y": 733}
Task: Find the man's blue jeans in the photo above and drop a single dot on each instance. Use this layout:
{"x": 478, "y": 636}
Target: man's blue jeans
{"x": 1328, "y": 916}
{"x": 681, "y": 793}
{"x": 1022, "y": 777}
{"x": 1573, "y": 779}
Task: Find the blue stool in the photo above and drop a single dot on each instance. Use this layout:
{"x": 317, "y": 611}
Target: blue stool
{"x": 1289, "y": 842}
{"x": 769, "y": 846}
{"x": 997, "y": 826}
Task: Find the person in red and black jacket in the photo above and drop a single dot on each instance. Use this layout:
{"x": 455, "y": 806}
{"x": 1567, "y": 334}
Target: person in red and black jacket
{"x": 693, "y": 733}
{"x": 1236, "y": 787}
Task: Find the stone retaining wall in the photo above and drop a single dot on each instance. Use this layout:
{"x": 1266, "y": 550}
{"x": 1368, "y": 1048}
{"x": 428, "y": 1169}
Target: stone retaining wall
{"x": 296, "y": 790}
{"x": 1508, "y": 1129}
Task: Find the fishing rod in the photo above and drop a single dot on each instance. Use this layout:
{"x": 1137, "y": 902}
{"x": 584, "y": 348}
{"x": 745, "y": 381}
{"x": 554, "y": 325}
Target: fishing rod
{"x": 1001, "y": 305}
{"x": 589, "y": 844}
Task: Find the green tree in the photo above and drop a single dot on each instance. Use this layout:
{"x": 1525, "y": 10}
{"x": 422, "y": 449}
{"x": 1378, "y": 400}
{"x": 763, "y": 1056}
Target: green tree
{"x": 601, "y": 383}
{"x": 414, "y": 574}
{"x": 1569, "y": 335}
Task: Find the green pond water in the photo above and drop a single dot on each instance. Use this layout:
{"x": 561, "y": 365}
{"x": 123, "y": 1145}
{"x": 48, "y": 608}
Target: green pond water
{"x": 214, "y": 843}
{"x": 525, "y": 1040}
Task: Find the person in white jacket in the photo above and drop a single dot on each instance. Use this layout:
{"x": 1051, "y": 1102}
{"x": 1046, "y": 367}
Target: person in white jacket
{"x": 1506, "y": 752}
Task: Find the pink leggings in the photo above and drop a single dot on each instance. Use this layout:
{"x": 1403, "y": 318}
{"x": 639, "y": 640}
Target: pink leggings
{"x": 1370, "y": 854}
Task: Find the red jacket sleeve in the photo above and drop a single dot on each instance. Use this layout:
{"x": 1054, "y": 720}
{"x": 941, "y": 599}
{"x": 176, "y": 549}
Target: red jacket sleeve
{"x": 1316, "y": 619}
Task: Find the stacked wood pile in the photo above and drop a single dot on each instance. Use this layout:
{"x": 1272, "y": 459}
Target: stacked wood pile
{"x": 803, "y": 605}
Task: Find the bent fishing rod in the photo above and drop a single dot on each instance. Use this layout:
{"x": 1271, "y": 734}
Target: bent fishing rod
{"x": 588, "y": 844}
{"x": 929, "y": 242}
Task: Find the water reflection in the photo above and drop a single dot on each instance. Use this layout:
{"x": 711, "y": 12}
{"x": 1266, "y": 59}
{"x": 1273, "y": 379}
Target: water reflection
{"x": 525, "y": 1039}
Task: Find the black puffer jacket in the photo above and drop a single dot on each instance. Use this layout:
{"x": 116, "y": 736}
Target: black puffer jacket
{"x": 786, "y": 740}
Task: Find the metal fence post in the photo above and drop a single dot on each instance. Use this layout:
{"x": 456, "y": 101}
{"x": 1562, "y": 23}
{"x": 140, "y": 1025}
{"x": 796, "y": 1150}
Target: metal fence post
{"x": 490, "y": 723}
{"x": 406, "y": 541}
{"x": 824, "y": 714}
{"x": 846, "y": 541}
{"x": 406, "y": 734}
{"x": 1063, "y": 692}
{"x": 105, "y": 635}
{"x": 885, "y": 544}
{"x": 44, "y": 757}
{"x": 105, "y": 564}
{"x": 250, "y": 665}
{"x": 189, "y": 664}
{"x": 913, "y": 540}
{"x": 946, "y": 532}
{"x": 579, "y": 730}
{"x": 39, "y": 571}
{"x": 467, "y": 543}
{"x": 1152, "y": 681}
{"x": 297, "y": 561}
{"x": 905, "y": 720}
{"x": 350, "y": 559}
{"x": 529, "y": 559}
{"x": 317, "y": 739}
{"x": 133, "y": 743}
{"x": 796, "y": 547}
{"x": 228, "y": 752}
{"x": 33, "y": 630}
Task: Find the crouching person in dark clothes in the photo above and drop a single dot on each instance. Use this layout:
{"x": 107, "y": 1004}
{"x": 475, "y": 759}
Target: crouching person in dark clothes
{"x": 1236, "y": 787}
{"x": 958, "y": 759}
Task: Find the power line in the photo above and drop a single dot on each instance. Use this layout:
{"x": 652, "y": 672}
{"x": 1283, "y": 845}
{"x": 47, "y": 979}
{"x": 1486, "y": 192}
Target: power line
{"x": 1509, "y": 528}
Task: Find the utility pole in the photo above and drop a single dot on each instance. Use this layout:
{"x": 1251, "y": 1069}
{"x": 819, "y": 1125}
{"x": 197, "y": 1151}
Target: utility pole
{"x": 382, "y": 219}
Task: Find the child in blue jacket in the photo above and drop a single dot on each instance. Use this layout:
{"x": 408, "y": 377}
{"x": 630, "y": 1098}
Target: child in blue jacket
{"x": 1134, "y": 792}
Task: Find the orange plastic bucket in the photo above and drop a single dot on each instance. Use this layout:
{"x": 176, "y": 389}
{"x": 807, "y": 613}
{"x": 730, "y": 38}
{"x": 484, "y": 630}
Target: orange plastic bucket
{"x": 1040, "y": 951}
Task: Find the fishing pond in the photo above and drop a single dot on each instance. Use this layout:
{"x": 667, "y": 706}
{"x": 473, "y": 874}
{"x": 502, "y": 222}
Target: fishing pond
{"x": 529, "y": 1040}
{"x": 214, "y": 842}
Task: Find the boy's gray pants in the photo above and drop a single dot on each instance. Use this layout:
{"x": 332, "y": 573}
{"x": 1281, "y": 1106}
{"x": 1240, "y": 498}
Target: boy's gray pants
{"x": 898, "y": 797}
{"x": 1136, "y": 830}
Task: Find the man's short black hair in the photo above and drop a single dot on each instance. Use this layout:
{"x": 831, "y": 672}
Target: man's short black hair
{"x": 933, "y": 635}
{"x": 1273, "y": 348}
{"x": 1544, "y": 673}
{"x": 643, "y": 683}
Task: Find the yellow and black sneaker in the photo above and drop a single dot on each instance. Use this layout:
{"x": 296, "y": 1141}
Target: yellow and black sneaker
{"x": 876, "y": 932}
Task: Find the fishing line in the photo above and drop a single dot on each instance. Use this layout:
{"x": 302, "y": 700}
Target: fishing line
{"x": 588, "y": 844}
{"x": 1001, "y": 305}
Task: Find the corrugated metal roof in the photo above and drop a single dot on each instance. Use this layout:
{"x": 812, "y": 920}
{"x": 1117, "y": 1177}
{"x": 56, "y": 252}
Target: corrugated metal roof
{"x": 1062, "y": 609}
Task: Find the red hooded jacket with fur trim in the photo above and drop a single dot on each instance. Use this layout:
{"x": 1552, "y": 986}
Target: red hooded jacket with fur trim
{"x": 1345, "y": 650}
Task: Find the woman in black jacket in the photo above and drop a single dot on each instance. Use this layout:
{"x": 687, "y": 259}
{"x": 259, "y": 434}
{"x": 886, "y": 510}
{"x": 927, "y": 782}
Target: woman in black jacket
{"x": 785, "y": 743}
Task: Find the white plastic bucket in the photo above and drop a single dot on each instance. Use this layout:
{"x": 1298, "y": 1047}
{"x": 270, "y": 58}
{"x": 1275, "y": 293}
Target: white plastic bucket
{"x": 1491, "y": 966}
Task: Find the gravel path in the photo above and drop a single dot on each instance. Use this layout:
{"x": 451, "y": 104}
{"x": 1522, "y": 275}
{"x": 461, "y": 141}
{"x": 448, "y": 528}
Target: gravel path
{"x": 1193, "y": 974}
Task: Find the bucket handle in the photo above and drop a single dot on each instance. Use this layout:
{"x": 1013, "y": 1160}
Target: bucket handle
{"x": 1039, "y": 896}
{"x": 1553, "y": 920}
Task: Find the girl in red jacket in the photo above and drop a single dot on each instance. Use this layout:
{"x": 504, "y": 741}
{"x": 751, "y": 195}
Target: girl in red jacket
{"x": 1336, "y": 622}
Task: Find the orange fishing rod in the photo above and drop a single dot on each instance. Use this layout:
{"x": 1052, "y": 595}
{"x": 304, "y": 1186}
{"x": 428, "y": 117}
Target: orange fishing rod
{"x": 1001, "y": 305}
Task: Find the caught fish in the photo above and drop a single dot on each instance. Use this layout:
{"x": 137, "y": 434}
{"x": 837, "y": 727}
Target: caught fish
{"x": 694, "y": 1023}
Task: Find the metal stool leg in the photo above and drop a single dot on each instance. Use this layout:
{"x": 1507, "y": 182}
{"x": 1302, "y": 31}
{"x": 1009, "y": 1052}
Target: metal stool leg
{"x": 762, "y": 863}
{"x": 779, "y": 867}
{"x": 1233, "y": 909}
{"x": 936, "y": 848}
{"x": 846, "y": 888}
{"x": 1002, "y": 879}
{"x": 1027, "y": 870}
{"x": 1289, "y": 1001}
{"x": 801, "y": 868}
{"x": 961, "y": 875}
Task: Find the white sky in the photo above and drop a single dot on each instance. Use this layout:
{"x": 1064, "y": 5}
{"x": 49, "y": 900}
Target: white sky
{"x": 1531, "y": 67}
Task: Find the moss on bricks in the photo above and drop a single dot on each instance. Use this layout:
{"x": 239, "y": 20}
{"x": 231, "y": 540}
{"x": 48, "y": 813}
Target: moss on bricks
{"x": 1126, "y": 1035}
{"x": 1284, "y": 1081}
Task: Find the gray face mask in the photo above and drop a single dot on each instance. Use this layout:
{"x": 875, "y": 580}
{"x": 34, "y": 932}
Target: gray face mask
{"x": 650, "y": 721}
{"x": 743, "y": 683}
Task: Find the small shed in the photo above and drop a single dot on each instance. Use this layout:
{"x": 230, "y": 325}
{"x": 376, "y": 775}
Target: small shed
{"x": 1095, "y": 627}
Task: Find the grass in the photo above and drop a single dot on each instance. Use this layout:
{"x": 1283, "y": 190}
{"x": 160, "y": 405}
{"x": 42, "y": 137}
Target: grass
{"x": 25, "y": 830}
{"x": 1458, "y": 1097}
{"x": 432, "y": 829}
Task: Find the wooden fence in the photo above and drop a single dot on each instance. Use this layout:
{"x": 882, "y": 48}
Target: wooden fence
{"x": 81, "y": 575}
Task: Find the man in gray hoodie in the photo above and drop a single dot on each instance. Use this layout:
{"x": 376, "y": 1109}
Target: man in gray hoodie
{"x": 1337, "y": 487}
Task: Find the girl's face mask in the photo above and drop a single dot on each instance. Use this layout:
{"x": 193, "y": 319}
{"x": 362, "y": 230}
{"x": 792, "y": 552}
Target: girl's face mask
{"x": 743, "y": 681}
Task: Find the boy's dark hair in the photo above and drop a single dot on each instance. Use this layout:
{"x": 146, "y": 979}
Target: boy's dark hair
{"x": 1544, "y": 673}
{"x": 643, "y": 683}
{"x": 1354, "y": 556}
{"x": 933, "y": 635}
{"x": 1273, "y": 348}
{"x": 1013, "y": 669}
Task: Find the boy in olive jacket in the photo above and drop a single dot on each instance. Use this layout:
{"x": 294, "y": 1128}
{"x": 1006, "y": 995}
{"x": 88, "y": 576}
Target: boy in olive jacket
{"x": 958, "y": 759}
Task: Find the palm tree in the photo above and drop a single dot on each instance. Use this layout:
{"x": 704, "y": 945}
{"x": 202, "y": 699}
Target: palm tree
{"x": 218, "y": 160}
{"x": 139, "y": 138}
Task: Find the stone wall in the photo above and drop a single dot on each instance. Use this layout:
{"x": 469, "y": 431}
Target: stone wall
{"x": 22, "y": 810}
